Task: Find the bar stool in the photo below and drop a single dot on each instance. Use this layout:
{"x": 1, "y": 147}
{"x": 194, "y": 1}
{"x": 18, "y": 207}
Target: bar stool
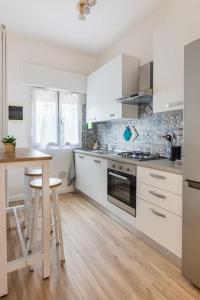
{"x": 30, "y": 174}
{"x": 37, "y": 186}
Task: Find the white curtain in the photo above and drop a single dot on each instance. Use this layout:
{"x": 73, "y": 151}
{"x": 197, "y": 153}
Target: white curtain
{"x": 3, "y": 85}
{"x": 70, "y": 119}
{"x": 56, "y": 119}
{"x": 44, "y": 118}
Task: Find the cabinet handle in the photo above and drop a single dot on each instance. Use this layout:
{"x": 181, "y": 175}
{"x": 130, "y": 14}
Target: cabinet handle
{"x": 157, "y": 195}
{"x": 97, "y": 161}
{"x": 80, "y": 156}
{"x": 157, "y": 213}
{"x": 157, "y": 176}
{"x": 112, "y": 115}
{"x": 174, "y": 104}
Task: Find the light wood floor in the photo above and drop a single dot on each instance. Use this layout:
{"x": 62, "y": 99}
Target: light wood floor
{"x": 103, "y": 262}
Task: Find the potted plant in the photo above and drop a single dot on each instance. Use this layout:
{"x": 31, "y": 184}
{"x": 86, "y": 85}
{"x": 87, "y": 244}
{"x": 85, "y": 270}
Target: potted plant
{"x": 9, "y": 144}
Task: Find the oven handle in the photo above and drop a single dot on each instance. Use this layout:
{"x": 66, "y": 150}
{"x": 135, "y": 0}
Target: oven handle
{"x": 118, "y": 176}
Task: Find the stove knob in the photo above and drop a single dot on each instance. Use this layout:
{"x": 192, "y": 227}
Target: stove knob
{"x": 113, "y": 166}
{"x": 120, "y": 167}
{"x": 127, "y": 169}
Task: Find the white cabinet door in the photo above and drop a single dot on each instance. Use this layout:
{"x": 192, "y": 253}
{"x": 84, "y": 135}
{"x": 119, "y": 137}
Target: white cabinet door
{"x": 159, "y": 197}
{"x": 159, "y": 207}
{"x": 113, "y": 80}
{"x": 103, "y": 86}
{"x": 97, "y": 172}
{"x": 169, "y": 43}
{"x": 82, "y": 180}
{"x": 168, "y": 68}
{"x": 160, "y": 225}
{"x": 91, "y": 176}
{"x": 92, "y": 100}
{"x": 160, "y": 179}
{"x": 111, "y": 85}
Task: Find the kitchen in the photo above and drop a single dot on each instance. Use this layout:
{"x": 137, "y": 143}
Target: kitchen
{"x": 126, "y": 172}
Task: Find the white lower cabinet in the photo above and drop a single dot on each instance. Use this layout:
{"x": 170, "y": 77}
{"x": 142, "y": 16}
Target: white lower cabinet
{"x": 82, "y": 182}
{"x": 159, "y": 207}
{"x": 91, "y": 179}
{"x": 91, "y": 176}
{"x": 164, "y": 199}
{"x": 159, "y": 199}
{"x": 97, "y": 174}
{"x": 160, "y": 225}
{"x": 160, "y": 179}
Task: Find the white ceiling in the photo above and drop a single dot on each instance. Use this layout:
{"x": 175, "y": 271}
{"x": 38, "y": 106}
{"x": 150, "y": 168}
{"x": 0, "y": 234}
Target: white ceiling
{"x": 56, "y": 21}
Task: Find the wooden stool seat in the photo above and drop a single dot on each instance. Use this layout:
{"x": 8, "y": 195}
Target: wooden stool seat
{"x": 33, "y": 172}
{"x": 53, "y": 183}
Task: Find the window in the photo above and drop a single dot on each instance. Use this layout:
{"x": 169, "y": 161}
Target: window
{"x": 56, "y": 119}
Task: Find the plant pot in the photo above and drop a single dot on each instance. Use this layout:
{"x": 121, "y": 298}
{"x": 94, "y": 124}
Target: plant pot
{"x": 9, "y": 148}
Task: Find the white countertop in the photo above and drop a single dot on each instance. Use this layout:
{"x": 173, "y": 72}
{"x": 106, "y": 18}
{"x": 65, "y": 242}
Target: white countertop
{"x": 159, "y": 164}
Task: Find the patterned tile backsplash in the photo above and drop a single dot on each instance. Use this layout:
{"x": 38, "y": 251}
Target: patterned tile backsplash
{"x": 150, "y": 128}
{"x": 89, "y": 136}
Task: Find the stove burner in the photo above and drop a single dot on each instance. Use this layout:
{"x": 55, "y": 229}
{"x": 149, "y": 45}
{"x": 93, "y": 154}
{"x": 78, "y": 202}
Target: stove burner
{"x": 139, "y": 155}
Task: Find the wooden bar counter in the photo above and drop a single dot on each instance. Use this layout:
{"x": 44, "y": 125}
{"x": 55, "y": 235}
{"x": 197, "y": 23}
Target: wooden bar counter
{"x": 23, "y": 158}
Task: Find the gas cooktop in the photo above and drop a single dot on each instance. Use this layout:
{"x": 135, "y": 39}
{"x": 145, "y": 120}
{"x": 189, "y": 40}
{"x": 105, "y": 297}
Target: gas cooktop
{"x": 139, "y": 155}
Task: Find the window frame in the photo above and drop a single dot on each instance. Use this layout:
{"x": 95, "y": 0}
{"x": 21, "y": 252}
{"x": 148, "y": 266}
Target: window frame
{"x": 58, "y": 125}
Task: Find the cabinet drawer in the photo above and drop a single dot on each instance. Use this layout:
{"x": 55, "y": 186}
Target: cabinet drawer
{"x": 164, "y": 199}
{"x": 164, "y": 180}
{"x": 98, "y": 162}
{"x": 160, "y": 225}
{"x": 80, "y": 156}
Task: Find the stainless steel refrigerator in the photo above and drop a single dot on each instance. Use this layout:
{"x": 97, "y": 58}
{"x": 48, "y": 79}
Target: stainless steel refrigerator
{"x": 191, "y": 169}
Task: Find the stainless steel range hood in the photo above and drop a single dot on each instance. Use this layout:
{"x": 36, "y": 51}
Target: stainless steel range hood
{"x": 145, "y": 93}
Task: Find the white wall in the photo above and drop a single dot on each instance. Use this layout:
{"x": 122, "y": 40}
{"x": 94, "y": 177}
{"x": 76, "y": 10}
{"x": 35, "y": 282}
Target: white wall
{"x": 138, "y": 41}
{"x": 35, "y": 75}
{"x": 22, "y": 49}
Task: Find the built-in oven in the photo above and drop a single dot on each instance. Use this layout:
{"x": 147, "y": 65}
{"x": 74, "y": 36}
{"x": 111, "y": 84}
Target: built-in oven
{"x": 122, "y": 185}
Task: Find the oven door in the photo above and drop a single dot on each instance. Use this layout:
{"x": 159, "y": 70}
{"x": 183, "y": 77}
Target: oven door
{"x": 122, "y": 190}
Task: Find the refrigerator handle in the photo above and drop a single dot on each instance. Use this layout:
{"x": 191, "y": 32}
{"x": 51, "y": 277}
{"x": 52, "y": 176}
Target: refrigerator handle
{"x": 193, "y": 184}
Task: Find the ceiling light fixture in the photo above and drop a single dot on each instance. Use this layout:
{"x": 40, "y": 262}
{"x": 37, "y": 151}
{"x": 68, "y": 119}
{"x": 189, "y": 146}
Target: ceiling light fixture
{"x": 84, "y": 7}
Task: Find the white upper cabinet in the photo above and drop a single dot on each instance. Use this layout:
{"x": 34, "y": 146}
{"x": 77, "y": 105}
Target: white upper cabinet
{"x": 169, "y": 42}
{"x": 168, "y": 69}
{"x": 118, "y": 78}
